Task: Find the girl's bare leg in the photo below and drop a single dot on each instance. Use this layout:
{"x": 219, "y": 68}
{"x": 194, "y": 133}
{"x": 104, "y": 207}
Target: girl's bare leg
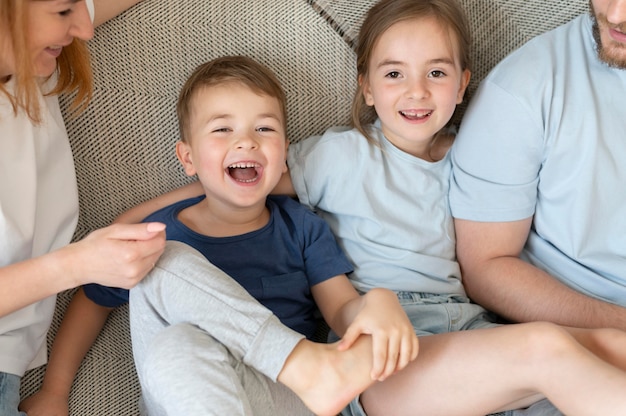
{"x": 482, "y": 371}
{"x": 607, "y": 343}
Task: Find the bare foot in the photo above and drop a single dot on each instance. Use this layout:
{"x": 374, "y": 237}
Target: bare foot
{"x": 326, "y": 379}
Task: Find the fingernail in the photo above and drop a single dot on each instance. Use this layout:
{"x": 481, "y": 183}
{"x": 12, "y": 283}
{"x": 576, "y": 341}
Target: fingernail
{"x": 155, "y": 227}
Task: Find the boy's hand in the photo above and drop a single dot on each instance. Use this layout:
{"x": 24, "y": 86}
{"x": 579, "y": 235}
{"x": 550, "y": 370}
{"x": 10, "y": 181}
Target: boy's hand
{"x": 395, "y": 344}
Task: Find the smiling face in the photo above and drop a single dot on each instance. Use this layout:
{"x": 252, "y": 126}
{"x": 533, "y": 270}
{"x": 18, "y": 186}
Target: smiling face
{"x": 236, "y": 144}
{"x": 52, "y": 24}
{"x": 414, "y": 82}
{"x": 610, "y": 31}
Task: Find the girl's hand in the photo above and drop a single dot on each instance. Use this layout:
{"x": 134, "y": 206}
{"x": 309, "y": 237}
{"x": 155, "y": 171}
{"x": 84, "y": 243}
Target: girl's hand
{"x": 44, "y": 403}
{"x": 395, "y": 344}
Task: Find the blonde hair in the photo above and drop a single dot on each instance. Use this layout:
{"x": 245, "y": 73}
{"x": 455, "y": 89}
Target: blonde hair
{"x": 385, "y": 14}
{"x": 239, "y": 69}
{"x": 73, "y": 65}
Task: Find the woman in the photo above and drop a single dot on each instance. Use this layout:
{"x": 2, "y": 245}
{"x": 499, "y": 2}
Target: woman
{"x": 42, "y": 54}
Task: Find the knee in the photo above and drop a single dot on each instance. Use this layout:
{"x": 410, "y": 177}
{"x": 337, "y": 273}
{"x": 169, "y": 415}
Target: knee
{"x": 169, "y": 352}
{"x": 179, "y": 348}
{"x": 546, "y": 341}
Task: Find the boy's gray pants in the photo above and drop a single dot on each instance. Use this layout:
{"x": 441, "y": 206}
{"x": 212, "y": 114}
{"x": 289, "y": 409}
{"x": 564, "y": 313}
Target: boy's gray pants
{"x": 203, "y": 346}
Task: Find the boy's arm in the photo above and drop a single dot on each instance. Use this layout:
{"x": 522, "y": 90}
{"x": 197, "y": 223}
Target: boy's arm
{"x": 81, "y": 325}
{"x": 377, "y": 313}
{"x": 141, "y": 211}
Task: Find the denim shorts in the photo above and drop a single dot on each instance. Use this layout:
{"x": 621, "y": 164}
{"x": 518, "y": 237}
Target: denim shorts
{"x": 10, "y": 395}
{"x": 435, "y": 314}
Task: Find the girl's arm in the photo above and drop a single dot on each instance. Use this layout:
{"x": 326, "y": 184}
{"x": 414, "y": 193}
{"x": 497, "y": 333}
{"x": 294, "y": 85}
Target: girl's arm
{"x": 81, "y": 325}
{"x": 284, "y": 186}
{"x": 377, "y": 313}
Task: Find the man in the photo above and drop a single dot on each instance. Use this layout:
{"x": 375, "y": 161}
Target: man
{"x": 539, "y": 181}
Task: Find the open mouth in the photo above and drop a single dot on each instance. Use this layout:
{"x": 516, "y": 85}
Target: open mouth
{"x": 416, "y": 115}
{"x": 244, "y": 172}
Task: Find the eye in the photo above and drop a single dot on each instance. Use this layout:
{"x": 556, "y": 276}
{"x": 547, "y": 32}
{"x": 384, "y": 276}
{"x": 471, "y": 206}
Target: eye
{"x": 436, "y": 74}
{"x": 221, "y": 130}
{"x": 66, "y": 12}
{"x": 393, "y": 74}
{"x": 265, "y": 129}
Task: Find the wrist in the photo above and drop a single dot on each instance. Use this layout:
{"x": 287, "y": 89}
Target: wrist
{"x": 57, "y": 388}
{"x": 61, "y": 267}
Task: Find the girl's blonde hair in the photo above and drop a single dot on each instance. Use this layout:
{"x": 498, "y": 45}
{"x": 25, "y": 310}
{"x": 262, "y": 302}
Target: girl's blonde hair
{"x": 73, "y": 65}
{"x": 240, "y": 69}
{"x": 385, "y": 14}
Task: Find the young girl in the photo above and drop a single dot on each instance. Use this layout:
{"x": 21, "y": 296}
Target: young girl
{"x": 42, "y": 54}
{"x": 382, "y": 186}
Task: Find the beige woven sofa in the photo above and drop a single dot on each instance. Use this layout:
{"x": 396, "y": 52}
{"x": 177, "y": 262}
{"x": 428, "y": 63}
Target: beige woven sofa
{"x": 124, "y": 143}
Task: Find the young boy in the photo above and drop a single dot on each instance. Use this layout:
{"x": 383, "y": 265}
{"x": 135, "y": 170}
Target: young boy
{"x": 202, "y": 344}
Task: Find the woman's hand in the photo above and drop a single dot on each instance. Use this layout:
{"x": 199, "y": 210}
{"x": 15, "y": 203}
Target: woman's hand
{"x": 119, "y": 255}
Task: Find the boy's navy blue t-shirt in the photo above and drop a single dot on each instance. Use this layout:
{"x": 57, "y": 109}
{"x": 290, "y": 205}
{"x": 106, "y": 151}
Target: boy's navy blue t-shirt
{"x": 276, "y": 264}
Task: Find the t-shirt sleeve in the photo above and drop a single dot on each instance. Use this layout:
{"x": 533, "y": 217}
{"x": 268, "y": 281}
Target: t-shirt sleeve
{"x": 110, "y": 297}
{"x": 314, "y": 165}
{"x": 496, "y": 158}
{"x": 323, "y": 257}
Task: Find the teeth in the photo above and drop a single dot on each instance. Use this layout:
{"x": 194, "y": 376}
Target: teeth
{"x": 415, "y": 114}
{"x": 242, "y": 165}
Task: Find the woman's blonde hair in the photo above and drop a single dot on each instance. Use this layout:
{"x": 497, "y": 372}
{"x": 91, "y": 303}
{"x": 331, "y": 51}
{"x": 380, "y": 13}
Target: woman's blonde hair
{"x": 73, "y": 65}
{"x": 385, "y": 14}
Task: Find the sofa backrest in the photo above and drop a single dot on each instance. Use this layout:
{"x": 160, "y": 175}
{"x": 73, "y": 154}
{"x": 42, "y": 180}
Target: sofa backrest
{"x": 124, "y": 143}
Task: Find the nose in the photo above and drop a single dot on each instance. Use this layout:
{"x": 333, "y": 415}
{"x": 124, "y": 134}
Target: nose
{"x": 418, "y": 89}
{"x": 81, "y": 25}
{"x": 616, "y": 12}
{"x": 246, "y": 141}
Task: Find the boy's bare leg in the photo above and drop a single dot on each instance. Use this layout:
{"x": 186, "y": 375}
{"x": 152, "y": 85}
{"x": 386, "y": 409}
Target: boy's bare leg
{"x": 482, "y": 371}
{"x": 326, "y": 379}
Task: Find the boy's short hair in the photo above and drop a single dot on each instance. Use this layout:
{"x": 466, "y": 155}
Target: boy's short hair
{"x": 237, "y": 69}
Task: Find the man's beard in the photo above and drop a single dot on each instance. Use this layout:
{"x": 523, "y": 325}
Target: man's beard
{"x": 606, "y": 54}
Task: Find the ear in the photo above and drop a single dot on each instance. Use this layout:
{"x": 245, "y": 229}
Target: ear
{"x": 183, "y": 152}
{"x": 286, "y": 168}
{"x": 366, "y": 90}
{"x": 465, "y": 79}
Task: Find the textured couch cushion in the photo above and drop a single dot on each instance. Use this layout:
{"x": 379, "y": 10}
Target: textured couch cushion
{"x": 124, "y": 143}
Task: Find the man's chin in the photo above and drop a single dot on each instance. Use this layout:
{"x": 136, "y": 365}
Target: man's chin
{"x": 615, "y": 57}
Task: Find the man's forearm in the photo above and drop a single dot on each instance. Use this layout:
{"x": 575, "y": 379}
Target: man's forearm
{"x": 520, "y": 292}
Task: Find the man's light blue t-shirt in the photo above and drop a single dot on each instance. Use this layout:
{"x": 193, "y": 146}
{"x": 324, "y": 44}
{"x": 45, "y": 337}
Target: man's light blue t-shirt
{"x": 545, "y": 136}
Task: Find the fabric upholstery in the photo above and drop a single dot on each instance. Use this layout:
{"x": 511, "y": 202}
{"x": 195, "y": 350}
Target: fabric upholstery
{"x": 124, "y": 142}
